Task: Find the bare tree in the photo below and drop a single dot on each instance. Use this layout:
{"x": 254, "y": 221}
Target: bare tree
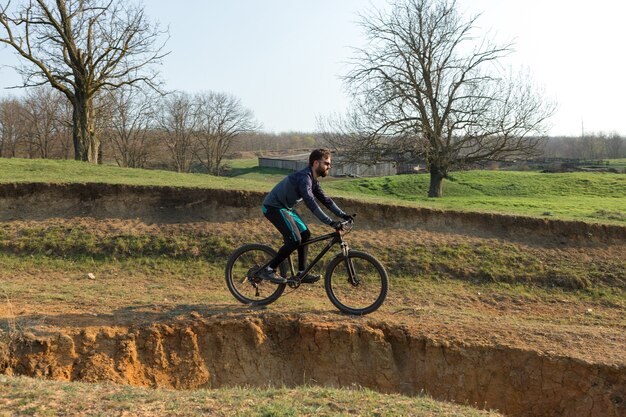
{"x": 597, "y": 146}
{"x": 82, "y": 47}
{"x": 424, "y": 85}
{"x": 591, "y": 146}
{"x": 131, "y": 119}
{"x": 65, "y": 131}
{"x": 43, "y": 120}
{"x": 11, "y": 126}
{"x": 221, "y": 118}
{"x": 354, "y": 139}
{"x": 263, "y": 141}
{"x": 177, "y": 121}
{"x": 615, "y": 146}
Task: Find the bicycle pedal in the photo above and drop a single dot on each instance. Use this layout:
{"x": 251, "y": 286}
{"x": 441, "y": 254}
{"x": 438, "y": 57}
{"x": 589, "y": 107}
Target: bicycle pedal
{"x": 293, "y": 282}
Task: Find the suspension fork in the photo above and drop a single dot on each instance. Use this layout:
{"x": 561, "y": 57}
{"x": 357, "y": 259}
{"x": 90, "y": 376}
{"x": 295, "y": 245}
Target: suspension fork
{"x": 352, "y": 278}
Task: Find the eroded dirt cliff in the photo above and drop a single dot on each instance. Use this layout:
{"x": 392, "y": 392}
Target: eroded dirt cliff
{"x": 276, "y": 349}
{"x": 173, "y": 205}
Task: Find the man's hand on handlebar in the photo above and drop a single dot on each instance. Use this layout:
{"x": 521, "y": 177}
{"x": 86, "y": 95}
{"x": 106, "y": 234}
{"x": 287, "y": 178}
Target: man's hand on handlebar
{"x": 349, "y": 217}
{"x": 341, "y": 225}
{"x": 337, "y": 225}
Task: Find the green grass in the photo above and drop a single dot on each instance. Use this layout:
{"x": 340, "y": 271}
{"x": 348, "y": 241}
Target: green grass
{"x": 467, "y": 261}
{"x": 590, "y": 197}
{"x": 617, "y": 163}
{"x": 24, "y": 396}
{"x": 46, "y": 267}
{"x": 249, "y": 170}
{"x": 78, "y": 241}
{"x": 126, "y": 284}
{"x": 64, "y": 171}
{"x": 440, "y": 280}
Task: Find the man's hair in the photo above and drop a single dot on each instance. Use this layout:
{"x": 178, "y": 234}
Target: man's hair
{"x": 318, "y": 154}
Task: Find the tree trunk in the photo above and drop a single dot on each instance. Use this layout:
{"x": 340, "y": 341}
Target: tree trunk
{"x": 437, "y": 174}
{"x": 99, "y": 153}
{"x": 86, "y": 144}
{"x": 76, "y": 137}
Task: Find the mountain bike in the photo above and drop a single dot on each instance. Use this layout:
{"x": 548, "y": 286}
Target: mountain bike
{"x": 355, "y": 281}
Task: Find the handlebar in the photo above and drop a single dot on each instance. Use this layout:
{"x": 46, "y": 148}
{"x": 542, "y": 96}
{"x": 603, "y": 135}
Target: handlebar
{"x": 347, "y": 225}
{"x": 347, "y": 222}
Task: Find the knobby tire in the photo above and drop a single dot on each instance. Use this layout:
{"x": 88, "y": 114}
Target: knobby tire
{"x": 368, "y": 295}
{"x": 238, "y": 268}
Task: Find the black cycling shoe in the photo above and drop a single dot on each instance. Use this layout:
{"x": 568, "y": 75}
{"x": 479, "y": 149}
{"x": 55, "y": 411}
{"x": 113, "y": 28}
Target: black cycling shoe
{"x": 271, "y": 276}
{"x": 310, "y": 279}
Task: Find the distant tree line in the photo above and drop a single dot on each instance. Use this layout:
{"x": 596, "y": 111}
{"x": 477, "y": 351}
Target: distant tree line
{"x": 139, "y": 128}
{"x": 263, "y": 143}
{"x": 37, "y": 125}
{"x": 185, "y": 132}
{"x": 593, "y": 146}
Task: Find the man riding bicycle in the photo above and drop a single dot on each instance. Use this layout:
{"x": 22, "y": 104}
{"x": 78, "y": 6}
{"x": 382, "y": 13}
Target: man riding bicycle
{"x": 278, "y": 208}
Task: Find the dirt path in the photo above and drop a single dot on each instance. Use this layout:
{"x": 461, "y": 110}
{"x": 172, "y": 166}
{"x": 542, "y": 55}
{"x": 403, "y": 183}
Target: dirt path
{"x": 562, "y": 323}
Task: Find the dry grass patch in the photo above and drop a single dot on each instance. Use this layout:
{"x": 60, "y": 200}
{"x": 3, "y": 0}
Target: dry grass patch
{"x": 24, "y": 396}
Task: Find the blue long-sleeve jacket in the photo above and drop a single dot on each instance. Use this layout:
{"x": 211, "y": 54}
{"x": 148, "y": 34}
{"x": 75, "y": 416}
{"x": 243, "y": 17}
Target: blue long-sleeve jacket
{"x": 301, "y": 186}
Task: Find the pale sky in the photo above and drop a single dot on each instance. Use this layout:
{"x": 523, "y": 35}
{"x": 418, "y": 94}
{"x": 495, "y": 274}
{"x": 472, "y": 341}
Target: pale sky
{"x": 284, "y": 58}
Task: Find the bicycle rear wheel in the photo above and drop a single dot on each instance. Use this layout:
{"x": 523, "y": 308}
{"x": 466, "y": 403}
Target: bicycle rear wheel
{"x": 357, "y": 284}
{"x": 240, "y": 270}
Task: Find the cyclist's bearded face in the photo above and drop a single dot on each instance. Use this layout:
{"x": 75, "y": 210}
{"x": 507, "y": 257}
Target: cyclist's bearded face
{"x": 323, "y": 167}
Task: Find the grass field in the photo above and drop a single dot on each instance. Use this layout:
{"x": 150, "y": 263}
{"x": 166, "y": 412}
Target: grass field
{"x": 565, "y": 298}
{"x": 591, "y": 197}
{"x": 478, "y": 262}
{"x": 25, "y": 396}
{"x": 550, "y": 297}
{"x": 65, "y": 171}
{"x": 136, "y": 265}
{"x": 618, "y": 163}
{"x": 594, "y": 197}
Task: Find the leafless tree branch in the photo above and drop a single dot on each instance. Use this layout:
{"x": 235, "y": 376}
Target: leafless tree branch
{"x": 82, "y": 48}
{"x": 427, "y": 86}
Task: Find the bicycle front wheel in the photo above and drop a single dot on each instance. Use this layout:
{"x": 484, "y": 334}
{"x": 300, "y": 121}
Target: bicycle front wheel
{"x": 356, "y": 284}
{"x": 240, "y": 275}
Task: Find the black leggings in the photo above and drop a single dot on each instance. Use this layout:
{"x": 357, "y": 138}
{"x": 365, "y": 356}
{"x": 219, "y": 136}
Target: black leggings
{"x": 294, "y": 232}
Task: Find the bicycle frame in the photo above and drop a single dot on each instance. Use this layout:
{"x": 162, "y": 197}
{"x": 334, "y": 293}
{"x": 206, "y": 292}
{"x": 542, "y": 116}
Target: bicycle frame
{"x": 336, "y": 238}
